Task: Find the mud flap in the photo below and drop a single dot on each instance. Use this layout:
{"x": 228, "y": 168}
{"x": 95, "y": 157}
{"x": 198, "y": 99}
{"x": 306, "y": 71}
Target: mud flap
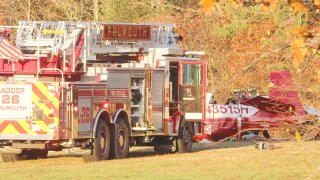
{"x": 112, "y": 129}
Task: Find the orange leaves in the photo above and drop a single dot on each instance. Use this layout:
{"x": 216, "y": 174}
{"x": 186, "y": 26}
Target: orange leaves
{"x": 298, "y": 46}
{"x": 267, "y": 5}
{"x": 303, "y": 34}
{"x": 206, "y": 4}
{"x": 299, "y": 53}
{"x": 300, "y": 31}
{"x": 298, "y": 6}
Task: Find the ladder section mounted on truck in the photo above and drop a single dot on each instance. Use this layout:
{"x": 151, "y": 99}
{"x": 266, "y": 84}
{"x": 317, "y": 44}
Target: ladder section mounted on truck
{"x": 69, "y": 46}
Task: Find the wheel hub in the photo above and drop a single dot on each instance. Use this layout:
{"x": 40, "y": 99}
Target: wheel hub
{"x": 121, "y": 139}
{"x": 102, "y": 141}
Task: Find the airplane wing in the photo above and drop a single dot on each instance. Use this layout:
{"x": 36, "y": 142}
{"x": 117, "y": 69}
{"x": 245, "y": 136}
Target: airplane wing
{"x": 269, "y": 105}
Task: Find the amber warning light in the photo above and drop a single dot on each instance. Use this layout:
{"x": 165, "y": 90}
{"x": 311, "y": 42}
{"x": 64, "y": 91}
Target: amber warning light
{"x": 126, "y": 32}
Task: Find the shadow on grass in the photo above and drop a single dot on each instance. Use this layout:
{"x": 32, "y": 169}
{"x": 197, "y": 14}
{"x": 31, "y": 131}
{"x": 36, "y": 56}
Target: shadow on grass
{"x": 197, "y": 147}
{"x": 221, "y": 145}
{"x": 146, "y": 151}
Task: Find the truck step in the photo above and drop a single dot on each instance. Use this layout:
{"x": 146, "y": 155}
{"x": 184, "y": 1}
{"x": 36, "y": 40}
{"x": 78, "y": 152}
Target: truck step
{"x": 143, "y": 129}
{"x": 77, "y": 151}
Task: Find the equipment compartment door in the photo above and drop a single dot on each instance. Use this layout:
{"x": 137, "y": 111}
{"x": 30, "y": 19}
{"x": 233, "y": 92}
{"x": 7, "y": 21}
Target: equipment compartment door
{"x": 85, "y": 115}
{"x": 157, "y": 99}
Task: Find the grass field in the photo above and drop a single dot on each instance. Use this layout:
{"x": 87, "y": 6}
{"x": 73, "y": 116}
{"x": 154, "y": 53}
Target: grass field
{"x": 231, "y": 160}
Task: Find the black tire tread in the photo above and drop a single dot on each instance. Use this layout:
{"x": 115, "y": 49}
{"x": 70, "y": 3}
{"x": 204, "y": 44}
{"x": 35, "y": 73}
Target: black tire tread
{"x": 95, "y": 154}
{"x": 180, "y": 148}
{"x": 114, "y": 153}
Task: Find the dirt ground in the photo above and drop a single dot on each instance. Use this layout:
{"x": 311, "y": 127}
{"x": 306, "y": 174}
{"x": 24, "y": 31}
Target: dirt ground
{"x": 228, "y": 160}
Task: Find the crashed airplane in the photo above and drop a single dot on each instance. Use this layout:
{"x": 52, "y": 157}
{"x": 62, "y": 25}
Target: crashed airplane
{"x": 281, "y": 109}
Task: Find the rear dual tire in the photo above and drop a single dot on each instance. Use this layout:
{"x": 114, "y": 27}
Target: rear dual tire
{"x": 101, "y": 145}
{"x": 120, "y": 140}
{"x": 109, "y": 145}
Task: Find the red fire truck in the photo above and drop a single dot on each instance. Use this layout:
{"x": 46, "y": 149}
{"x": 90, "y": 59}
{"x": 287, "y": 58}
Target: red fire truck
{"x": 96, "y": 89}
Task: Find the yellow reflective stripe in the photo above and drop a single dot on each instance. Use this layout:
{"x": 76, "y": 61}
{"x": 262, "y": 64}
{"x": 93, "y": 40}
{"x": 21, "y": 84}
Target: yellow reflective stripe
{"x": 44, "y": 89}
{"x": 44, "y": 126}
{"x": 10, "y": 129}
{"x": 46, "y": 110}
{"x": 54, "y": 100}
{"x": 50, "y": 31}
{"x": 25, "y": 125}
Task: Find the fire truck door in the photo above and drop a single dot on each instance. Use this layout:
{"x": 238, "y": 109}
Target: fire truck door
{"x": 157, "y": 99}
{"x": 191, "y": 91}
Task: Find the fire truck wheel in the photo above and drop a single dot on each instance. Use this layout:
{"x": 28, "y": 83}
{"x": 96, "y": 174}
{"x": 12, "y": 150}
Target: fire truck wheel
{"x": 184, "y": 140}
{"x": 101, "y": 144}
{"x": 10, "y": 157}
{"x": 120, "y": 140}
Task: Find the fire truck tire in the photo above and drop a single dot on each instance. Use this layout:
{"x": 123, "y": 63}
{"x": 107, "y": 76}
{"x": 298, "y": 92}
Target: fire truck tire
{"x": 120, "y": 140}
{"x": 184, "y": 139}
{"x": 101, "y": 144}
{"x": 10, "y": 157}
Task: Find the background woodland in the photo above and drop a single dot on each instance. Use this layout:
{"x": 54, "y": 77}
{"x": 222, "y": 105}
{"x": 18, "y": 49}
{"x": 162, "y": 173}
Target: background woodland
{"x": 243, "y": 39}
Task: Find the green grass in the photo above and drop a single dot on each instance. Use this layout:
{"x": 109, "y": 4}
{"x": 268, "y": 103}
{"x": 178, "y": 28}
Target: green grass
{"x": 290, "y": 160}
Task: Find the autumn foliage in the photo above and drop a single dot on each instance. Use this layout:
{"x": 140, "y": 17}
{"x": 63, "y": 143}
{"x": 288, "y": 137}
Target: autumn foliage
{"x": 243, "y": 39}
{"x": 273, "y": 42}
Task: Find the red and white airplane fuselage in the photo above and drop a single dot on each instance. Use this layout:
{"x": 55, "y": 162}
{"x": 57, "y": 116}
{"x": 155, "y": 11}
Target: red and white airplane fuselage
{"x": 281, "y": 109}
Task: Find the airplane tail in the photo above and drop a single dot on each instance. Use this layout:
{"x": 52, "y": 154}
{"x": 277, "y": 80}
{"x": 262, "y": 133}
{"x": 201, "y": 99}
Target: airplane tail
{"x": 284, "y": 90}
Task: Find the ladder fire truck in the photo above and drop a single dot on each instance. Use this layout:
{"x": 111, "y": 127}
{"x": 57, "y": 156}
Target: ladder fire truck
{"x": 96, "y": 89}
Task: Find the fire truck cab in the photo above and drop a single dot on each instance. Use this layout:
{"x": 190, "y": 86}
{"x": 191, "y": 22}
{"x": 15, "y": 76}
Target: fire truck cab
{"x": 96, "y": 89}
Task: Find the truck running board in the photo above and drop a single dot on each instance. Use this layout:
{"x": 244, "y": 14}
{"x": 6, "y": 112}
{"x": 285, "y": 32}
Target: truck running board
{"x": 77, "y": 151}
{"x": 143, "y": 129}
